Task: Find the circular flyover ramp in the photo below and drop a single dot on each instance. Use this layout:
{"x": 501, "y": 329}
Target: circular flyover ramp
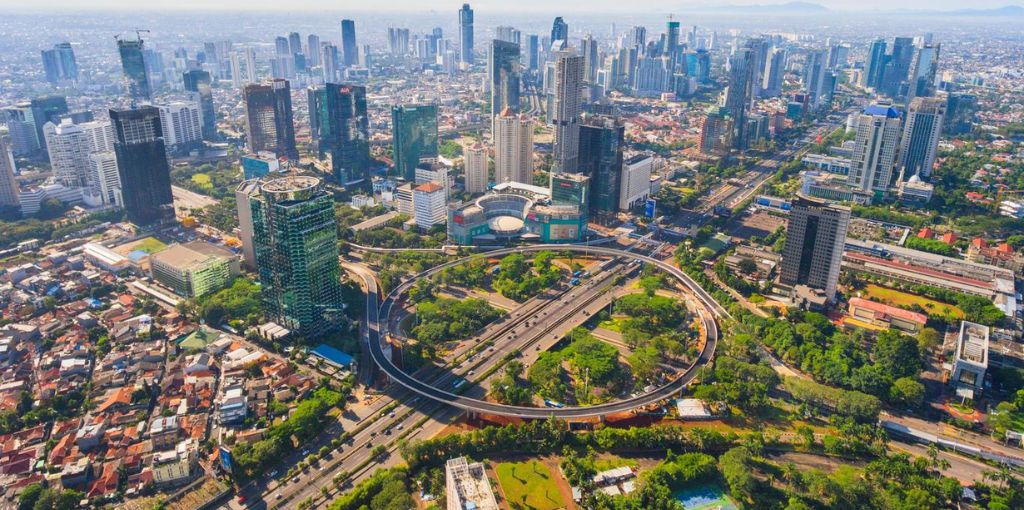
{"x": 710, "y": 309}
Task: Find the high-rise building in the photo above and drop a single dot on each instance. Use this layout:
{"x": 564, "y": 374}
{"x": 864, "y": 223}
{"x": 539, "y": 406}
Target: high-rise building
{"x": 571, "y": 189}
{"x": 243, "y": 207}
{"x": 349, "y": 48}
{"x": 591, "y": 61}
{"x": 68, "y": 147}
{"x": 504, "y": 76}
{"x": 559, "y": 30}
{"x": 921, "y": 82}
{"x": 398, "y": 41}
{"x": 21, "y": 128}
{"x": 133, "y": 63}
{"x": 838, "y": 54}
{"x": 281, "y": 46}
{"x": 635, "y": 181}
{"x": 532, "y": 52}
{"x": 341, "y": 128}
{"x": 9, "y": 191}
{"x": 414, "y": 134}
{"x": 47, "y": 109}
{"x": 565, "y": 110}
{"x": 475, "y": 161}
{"x": 329, "y": 63}
{"x": 104, "y": 181}
{"x": 897, "y": 66}
{"x": 819, "y": 81}
{"x": 715, "y": 132}
{"x": 429, "y": 202}
{"x": 875, "y": 65}
{"x": 182, "y": 126}
{"x": 960, "y": 113}
{"x": 920, "y": 140}
{"x": 466, "y": 35}
{"x": 775, "y": 70}
{"x": 243, "y": 67}
{"x": 874, "y": 150}
{"x": 295, "y": 244}
{"x": 142, "y": 165}
{"x": 815, "y": 237}
{"x": 59, "y": 63}
{"x": 268, "y": 118}
{"x": 198, "y": 82}
{"x": 602, "y": 141}
{"x": 739, "y": 94}
{"x": 313, "y": 52}
{"x": 513, "y": 148}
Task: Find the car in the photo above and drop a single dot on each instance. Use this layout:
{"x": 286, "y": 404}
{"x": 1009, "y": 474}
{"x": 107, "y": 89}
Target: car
{"x": 277, "y": 496}
{"x": 241, "y": 499}
{"x": 392, "y": 415}
{"x": 400, "y": 426}
{"x": 295, "y": 480}
{"x": 373, "y": 434}
{"x": 387, "y": 432}
{"x": 537, "y": 348}
{"x": 369, "y": 444}
{"x": 469, "y": 373}
{"x": 273, "y": 474}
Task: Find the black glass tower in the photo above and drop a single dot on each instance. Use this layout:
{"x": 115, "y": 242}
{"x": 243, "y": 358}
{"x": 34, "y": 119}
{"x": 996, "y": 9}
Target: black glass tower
{"x": 268, "y": 118}
{"x": 340, "y": 125}
{"x": 142, "y": 165}
{"x": 602, "y": 140}
{"x": 414, "y": 130}
{"x": 349, "y": 50}
{"x": 198, "y": 82}
{"x": 133, "y": 63}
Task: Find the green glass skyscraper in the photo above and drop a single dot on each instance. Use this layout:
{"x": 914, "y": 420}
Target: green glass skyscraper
{"x": 295, "y": 242}
{"x": 341, "y": 128}
{"x": 414, "y": 129}
{"x": 133, "y": 63}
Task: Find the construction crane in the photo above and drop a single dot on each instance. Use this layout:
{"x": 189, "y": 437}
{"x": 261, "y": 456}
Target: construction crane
{"x": 138, "y": 34}
{"x": 1003, "y": 191}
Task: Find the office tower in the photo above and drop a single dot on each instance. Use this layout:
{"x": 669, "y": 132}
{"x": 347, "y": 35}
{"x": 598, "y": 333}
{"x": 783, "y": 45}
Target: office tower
{"x": 506, "y": 33}
{"x": 68, "y": 148}
{"x": 921, "y": 82}
{"x": 9, "y": 191}
{"x": 559, "y": 30}
{"x": 398, "y": 41}
{"x": 466, "y": 35}
{"x": 329, "y": 65}
{"x": 340, "y": 126}
{"x": 602, "y": 140}
{"x": 635, "y": 181}
{"x": 513, "y": 148}
{"x": 349, "y": 48}
{"x": 244, "y": 193}
{"x": 268, "y": 118}
{"x": 294, "y": 43}
{"x": 815, "y": 237}
{"x": 475, "y": 161}
{"x": 313, "y": 52}
{"x": 182, "y": 125}
{"x": 653, "y": 76}
{"x": 714, "y": 132}
{"x": 874, "y": 150}
{"x": 503, "y": 66}
{"x": 565, "y": 110}
{"x": 738, "y": 96}
{"x": 920, "y": 140}
{"x": 874, "y": 66}
{"x": 295, "y": 244}
{"x": 960, "y": 112}
{"x": 819, "y": 82}
{"x": 59, "y": 63}
{"x": 197, "y": 81}
{"x": 47, "y": 109}
{"x": 133, "y": 63}
{"x": 671, "y": 47}
{"x": 414, "y": 134}
{"x": 243, "y": 67}
{"x": 104, "y": 180}
{"x": 142, "y": 165}
{"x": 532, "y": 52}
{"x": 364, "y": 56}
{"x": 897, "y": 66}
{"x": 281, "y": 46}
{"x": 591, "y": 61}
{"x": 429, "y": 203}
{"x": 837, "y": 56}
{"x": 21, "y": 128}
{"x": 775, "y": 70}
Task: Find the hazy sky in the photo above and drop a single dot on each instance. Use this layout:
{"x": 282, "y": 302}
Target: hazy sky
{"x": 565, "y": 6}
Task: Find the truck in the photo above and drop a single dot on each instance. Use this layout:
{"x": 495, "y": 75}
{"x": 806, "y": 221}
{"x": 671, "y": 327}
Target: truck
{"x": 575, "y": 281}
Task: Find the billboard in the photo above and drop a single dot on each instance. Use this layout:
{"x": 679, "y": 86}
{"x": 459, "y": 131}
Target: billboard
{"x": 649, "y": 208}
{"x": 225, "y": 459}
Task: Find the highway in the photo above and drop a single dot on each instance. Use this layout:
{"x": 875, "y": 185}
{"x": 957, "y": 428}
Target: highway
{"x": 568, "y": 306}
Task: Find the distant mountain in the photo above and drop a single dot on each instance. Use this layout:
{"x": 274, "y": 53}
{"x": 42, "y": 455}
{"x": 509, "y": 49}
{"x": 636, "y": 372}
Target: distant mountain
{"x": 781, "y": 8}
{"x": 1007, "y": 10}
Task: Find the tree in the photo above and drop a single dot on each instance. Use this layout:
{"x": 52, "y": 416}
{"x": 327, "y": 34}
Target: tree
{"x": 897, "y": 354}
{"x": 748, "y": 266}
{"x": 907, "y": 391}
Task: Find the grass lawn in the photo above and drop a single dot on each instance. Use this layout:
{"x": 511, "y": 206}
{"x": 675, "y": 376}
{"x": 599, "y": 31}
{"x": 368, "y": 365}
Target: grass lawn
{"x": 529, "y": 485}
{"x": 899, "y": 298}
{"x": 613, "y": 324}
{"x": 604, "y": 464}
{"x": 149, "y": 245}
{"x": 202, "y": 180}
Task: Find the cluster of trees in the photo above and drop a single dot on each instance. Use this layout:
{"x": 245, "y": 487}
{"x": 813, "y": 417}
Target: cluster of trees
{"x": 853, "y": 404}
{"x": 444, "y": 320}
{"x": 519, "y": 281}
{"x": 222, "y": 216}
{"x": 61, "y": 406}
{"x": 592, "y": 364}
{"x": 1008, "y": 414}
{"x": 387, "y": 489}
{"x": 810, "y": 341}
{"x": 471, "y": 274}
{"x": 889, "y": 215}
{"x": 510, "y": 388}
{"x": 738, "y": 383}
{"x": 36, "y": 497}
{"x": 238, "y": 304}
{"x": 303, "y": 425}
{"x": 392, "y": 266}
{"x": 219, "y": 182}
{"x": 976, "y": 308}
{"x": 14, "y": 231}
{"x": 930, "y": 246}
{"x": 655, "y": 491}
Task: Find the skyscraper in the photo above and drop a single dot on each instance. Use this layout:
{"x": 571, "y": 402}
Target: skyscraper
{"x": 133, "y": 63}
{"x": 414, "y": 134}
{"x": 591, "y": 61}
{"x": 875, "y": 66}
{"x": 738, "y": 95}
{"x": 142, "y": 165}
{"x": 268, "y": 118}
{"x": 874, "y": 150}
{"x": 475, "y": 161}
{"x": 815, "y": 237}
{"x": 466, "y": 35}
{"x": 295, "y": 244}
{"x": 503, "y": 66}
{"x": 513, "y": 148}
{"x": 349, "y": 48}
{"x": 671, "y": 48}
{"x": 559, "y": 30}
{"x": 47, "y": 109}
{"x": 819, "y": 81}
{"x": 294, "y": 44}
{"x": 329, "y": 63}
{"x": 9, "y": 191}
{"x": 602, "y": 140}
{"x": 897, "y": 66}
{"x": 340, "y": 125}
{"x": 565, "y": 110}
{"x": 775, "y": 70}
{"x": 59, "y": 63}
{"x": 398, "y": 41}
{"x": 68, "y": 147}
{"x": 921, "y": 82}
{"x": 960, "y": 113}
{"x": 920, "y": 140}
{"x": 314, "y": 54}
{"x": 198, "y": 82}
{"x": 532, "y": 52}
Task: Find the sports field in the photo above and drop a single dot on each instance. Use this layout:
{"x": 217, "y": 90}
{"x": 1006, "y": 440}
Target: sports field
{"x": 903, "y": 299}
{"x": 529, "y": 486}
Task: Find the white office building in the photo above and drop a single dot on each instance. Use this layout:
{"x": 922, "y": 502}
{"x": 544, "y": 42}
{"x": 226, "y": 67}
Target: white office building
{"x": 467, "y": 486}
{"x": 475, "y": 160}
{"x": 635, "y": 181}
{"x": 429, "y": 205}
{"x": 513, "y": 148}
{"x": 874, "y": 151}
{"x": 104, "y": 181}
{"x": 182, "y": 124}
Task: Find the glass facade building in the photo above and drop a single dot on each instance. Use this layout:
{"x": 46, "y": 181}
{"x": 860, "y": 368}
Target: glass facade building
{"x": 295, "y": 241}
{"x": 198, "y": 82}
{"x": 133, "y": 63}
{"x": 601, "y": 144}
{"x": 414, "y": 132}
{"x": 142, "y": 165}
{"x": 340, "y": 125}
